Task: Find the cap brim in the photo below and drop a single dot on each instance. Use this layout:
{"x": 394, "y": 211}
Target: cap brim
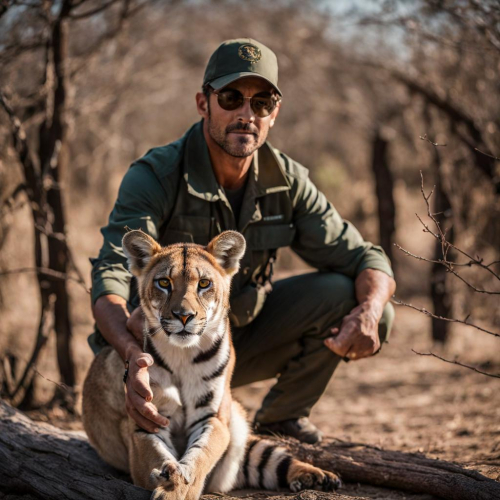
{"x": 222, "y": 81}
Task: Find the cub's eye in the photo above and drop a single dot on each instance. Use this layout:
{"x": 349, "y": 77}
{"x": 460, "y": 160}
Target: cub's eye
{"x": 204, "y": 283}
{"x": 164, "y": 283}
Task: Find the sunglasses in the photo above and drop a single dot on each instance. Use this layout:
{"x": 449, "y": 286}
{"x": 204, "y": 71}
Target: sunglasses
{"x": 262, "y": 104}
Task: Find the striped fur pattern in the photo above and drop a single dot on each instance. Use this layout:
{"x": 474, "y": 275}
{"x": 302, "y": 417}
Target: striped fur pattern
{"x": 207, "y": 446}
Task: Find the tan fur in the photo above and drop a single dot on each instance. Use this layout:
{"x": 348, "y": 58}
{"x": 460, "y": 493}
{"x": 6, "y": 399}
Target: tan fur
{"x": 207, "y": 444}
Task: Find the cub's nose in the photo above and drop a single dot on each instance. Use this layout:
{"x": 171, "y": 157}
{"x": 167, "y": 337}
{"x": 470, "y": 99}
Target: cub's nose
{"x": 184, "y": 316}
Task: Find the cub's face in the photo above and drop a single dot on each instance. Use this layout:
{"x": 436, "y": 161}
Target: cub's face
{"x": 184, "y": 288}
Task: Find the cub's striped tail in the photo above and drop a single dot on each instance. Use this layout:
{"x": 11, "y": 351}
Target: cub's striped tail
{"x": 269, "y": 466}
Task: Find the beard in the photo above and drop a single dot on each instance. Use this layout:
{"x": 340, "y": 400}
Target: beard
{"x": 239, "y": 146}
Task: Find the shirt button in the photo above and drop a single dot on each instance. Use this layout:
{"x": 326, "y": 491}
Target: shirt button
{"x": 246, "y": 270}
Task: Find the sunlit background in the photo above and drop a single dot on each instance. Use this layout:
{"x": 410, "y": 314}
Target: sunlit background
{"x": 374, "y": 94}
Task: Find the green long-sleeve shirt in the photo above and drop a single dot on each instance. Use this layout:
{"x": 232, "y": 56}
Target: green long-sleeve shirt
{"x": 172, "y": 194}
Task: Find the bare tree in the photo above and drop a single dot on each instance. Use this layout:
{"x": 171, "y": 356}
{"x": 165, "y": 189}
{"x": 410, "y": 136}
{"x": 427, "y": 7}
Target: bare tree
{"x": 44, "y": 163}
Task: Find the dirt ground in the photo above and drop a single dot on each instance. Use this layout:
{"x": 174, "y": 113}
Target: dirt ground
{"x": 396, "y": 400}
{"x": 401, "y": 401}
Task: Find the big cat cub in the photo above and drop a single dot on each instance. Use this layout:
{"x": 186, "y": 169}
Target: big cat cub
{"x": 208, "y": 445}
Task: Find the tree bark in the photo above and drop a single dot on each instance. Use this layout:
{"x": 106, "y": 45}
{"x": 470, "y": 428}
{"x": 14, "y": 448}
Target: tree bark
{"x": 43, "y": 462}
{"x": 53, "y": 159}
{"x": 441, "y": 296}
{"x": 384, "y": 187}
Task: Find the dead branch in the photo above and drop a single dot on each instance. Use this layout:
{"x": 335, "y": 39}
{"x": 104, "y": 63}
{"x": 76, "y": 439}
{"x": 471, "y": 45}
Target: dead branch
{"x": 11, "y": 204}
{"x": 126, "y": 12}
{"x": 486, "y": 154}
{"x": 425, "y": 138}
{"x": 47, "y": 272}
{"x": 62, "y": 386}
{"x": 441, "y": 261}
{"x": 454, "y": 113}
{"x": 45, "y": 325}
{"x": 456, "y": 363}
{"x": 446, "y": 245}
{"x": 451, "y": 320}
{"x": 92, "y": 12}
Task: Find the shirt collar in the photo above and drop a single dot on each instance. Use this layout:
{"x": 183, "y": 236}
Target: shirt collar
{"x": 266, "y": 174}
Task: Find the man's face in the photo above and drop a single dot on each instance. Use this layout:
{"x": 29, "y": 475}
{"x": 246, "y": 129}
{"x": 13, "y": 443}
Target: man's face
{"x": 239, "y": 132}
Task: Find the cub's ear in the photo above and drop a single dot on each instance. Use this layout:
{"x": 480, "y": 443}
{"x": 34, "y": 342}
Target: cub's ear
{"x": 228, "y": 249}
{"x": 139, "y": 249}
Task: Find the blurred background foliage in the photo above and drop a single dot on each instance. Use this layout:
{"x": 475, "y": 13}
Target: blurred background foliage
{"x": 363, "y": 83}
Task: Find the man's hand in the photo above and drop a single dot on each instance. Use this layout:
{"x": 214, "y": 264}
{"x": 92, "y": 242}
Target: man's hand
{"x": 139, "y": 395}
{"x": 138, "y": 391}
{"x": 125, "y": 332}
{"x": 358, "y": 334}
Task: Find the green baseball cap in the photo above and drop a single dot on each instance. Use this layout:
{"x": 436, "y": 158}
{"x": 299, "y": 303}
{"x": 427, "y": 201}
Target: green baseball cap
{"x": 238, "y": 58}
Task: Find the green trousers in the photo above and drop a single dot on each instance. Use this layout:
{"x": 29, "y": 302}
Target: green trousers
{"x": 286, "y": 341}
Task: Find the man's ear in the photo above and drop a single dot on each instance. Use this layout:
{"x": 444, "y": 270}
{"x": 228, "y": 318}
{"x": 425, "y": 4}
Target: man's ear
{"x": 202, "y": 104}
{"x": 228, "y": 249}
{"x": 139, "y": 249}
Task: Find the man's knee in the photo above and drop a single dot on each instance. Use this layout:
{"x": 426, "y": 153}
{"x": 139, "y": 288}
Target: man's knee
{"x": 334, "y": 290}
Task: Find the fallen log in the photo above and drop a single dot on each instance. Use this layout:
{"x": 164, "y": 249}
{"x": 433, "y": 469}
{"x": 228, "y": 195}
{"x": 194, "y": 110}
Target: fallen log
{"x": 410, "y": 472}
{"x": 40, "y": 461}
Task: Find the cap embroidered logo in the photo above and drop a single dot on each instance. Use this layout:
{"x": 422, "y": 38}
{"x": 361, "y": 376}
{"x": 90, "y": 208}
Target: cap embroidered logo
{"x": 249, "y": 53}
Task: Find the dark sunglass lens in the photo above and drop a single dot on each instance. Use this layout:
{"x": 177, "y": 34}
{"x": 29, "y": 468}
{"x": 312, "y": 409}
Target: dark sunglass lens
{"x": 263, "y": 106}
{"x": 230, "y": 99}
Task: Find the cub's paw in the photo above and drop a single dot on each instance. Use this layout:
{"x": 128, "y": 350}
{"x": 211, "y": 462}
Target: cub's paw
{"x": 161, "y": 494}
{"x": 172, "y": 476}
{"x": 308, "y": 477}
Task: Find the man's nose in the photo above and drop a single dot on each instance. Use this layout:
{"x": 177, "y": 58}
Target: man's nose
{"x": 184, "y": 316}
{"x": 245, "y": 112}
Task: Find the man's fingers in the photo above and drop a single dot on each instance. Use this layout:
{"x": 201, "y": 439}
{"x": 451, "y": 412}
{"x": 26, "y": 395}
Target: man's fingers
{"x": 142, "y": 422}
{"x": 338, "y": 346}
{"x": 342, "y": 341}
{"x": 139, "y": 382}
{"x": 364, "y": 349}
{"x": 139, "y": 376}
{"x": 147, "y": 410}
{"x": 144, "y": 360}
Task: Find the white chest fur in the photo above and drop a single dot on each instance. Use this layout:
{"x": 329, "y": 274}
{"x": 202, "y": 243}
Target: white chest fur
{"x": 189, "y": 381}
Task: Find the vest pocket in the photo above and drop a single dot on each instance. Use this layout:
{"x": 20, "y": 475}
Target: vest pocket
{"x": 187, "y": 229}
{"x": 269, "y": 236}
{"x": 248, "y": 301}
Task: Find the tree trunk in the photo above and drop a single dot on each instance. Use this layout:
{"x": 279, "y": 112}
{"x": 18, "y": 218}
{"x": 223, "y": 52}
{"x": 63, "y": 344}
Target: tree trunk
{"x": 441, "y": 297}
{"x": 53, "y": 159}
{"x": 43, "y": 462}
{"x": 384, "y": 187}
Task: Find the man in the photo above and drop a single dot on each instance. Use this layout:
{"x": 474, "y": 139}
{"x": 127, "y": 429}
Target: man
{"x": 224, "y": 175}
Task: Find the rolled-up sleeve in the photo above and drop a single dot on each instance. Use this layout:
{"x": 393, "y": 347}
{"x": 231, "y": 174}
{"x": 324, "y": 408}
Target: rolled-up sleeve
{"x": 142, "y": 204}
{"x": 326, "y": 241}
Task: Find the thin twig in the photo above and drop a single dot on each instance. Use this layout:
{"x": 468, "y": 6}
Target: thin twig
{"x": 435, "y": 144}
{"x": 92, "y": 12}
{"x": 486, "y": 154}
{"x": 62, "y": 386}
{"x": 443, "y": 318}
{"x": 456, "y": 363}
{"x": 441, "y": 261}
{"x": 446, "y": 245}
{"x": 44, "y": 327}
